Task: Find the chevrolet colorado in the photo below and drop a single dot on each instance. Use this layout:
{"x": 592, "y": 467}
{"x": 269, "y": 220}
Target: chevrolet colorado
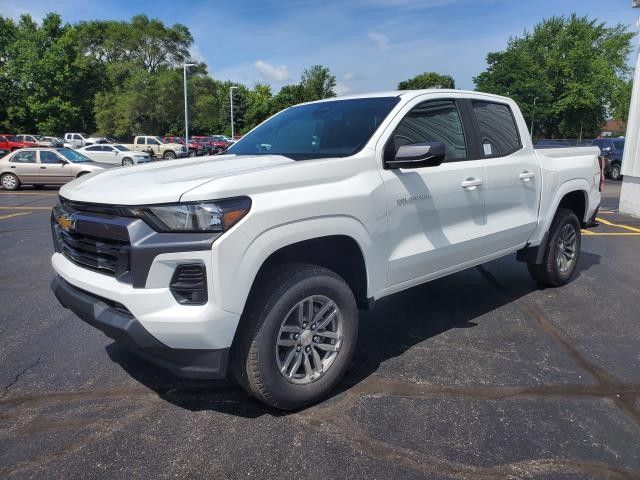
{"x": 257, "y": 261}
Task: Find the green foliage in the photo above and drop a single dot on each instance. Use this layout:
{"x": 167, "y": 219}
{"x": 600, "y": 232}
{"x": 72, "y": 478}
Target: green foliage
{"x": 122, "y": 78}
{"x": 427, "y": 80}
{"x": 573, "y": 68}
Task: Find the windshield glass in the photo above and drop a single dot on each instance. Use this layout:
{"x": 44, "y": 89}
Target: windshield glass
{"x": 121, "y": 148}
{"x": 337, "y": 128}
{"x": 73, "y": 156}
{"x": 618, "y": 144}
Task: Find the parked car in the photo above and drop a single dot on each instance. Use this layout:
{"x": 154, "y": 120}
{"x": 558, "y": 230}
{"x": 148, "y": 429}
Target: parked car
{"x": 195, "y": 148}
{"x": 219, "y": 144}
{"x": 55, "y": 142}
{"x": 44, "y": 166}
{"x": 612, "y": 150}
{"x": 223, "y": 138}
{"x": 11, "y": 142}
{"x": 260, "y": 261}
{"x": 208, "y": 148}
{"x": 98, "y": 140}
{"x": 115, "y": 154}
{"x": 38, "y": 140}
{"x": 156, "y": 148}
{"x": 76, "y": 140}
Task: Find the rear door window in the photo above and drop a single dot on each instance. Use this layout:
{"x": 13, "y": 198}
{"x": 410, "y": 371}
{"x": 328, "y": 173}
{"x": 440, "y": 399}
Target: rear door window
{"x": 497, "y": 127}
{"x": 24, "y": 156}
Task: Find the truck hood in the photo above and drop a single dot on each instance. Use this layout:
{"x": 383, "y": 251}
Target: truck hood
{"x": 163, "y": 181}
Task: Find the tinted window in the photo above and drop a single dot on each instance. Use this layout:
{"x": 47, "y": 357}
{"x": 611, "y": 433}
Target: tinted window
{"x": 498, "y": 129}
{"x": 77, "y": 137}
{"x": 618, "y": 144}
{"x": 94, "y": 148}
{"x": 432, "y": 121}
{"x": 337, "y": 128}
{"x": 47, "y": 156}
{"x": 24, "y": 156}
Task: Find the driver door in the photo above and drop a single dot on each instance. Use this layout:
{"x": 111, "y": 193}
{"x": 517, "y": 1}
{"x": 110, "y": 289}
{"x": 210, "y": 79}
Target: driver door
{"x": 436, "y": 218}
{"x": 54, "y": 169}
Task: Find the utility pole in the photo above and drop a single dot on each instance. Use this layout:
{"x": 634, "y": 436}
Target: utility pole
{"x": 533, "y": 112}
{"x": 231, "y": 100}
{"x": 630, "y": 190}
{"x": 186, "y": 112}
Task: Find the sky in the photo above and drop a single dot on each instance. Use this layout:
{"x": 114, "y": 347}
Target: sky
{"x": 370, "y": 45}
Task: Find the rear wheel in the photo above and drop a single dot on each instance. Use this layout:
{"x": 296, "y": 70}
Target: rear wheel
{"x": 615, "y": 172}
{"x": 562, "y": 251}
{"x": 192, "y": 153}
{"x": 297, "y": 336}
{"x": 10, "y": 181}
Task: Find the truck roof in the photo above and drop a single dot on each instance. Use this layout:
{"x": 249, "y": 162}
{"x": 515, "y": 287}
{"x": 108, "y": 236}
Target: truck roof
{"x": 411, "y": 94}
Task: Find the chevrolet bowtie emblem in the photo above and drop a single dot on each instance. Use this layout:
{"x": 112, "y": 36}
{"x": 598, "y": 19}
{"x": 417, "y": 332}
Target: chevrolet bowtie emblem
{"x": 66, "y": 222}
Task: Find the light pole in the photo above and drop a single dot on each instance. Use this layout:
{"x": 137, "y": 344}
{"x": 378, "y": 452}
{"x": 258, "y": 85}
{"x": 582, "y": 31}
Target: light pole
{"x": 231, "y": 100}
{"x": 186, "y": 113}
{"x": 533, "y": 112}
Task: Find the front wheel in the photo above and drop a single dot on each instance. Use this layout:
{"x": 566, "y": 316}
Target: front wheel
{"x": 297, "y": 336}
{"x": 169, "y": 155}
{"x": 615, "y": 172}
{"x": 562, "y": 251}
{"x": 126, "y": 162}
{"x": 10, "y": 181}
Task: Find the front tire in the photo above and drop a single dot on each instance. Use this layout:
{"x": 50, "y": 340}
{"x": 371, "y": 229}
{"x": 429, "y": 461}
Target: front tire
{"x": 10, "y": 181}
{"x": 562, "y": 251}
{"x": 297, "y": 337}
{"x": 127, "y": 162}
{"x": 169, "y": 155}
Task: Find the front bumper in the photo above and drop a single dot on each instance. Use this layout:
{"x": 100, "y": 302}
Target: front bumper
{"x": 115, "y": 321}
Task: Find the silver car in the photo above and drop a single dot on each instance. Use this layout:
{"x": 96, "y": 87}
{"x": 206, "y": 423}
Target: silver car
{"x": 44, "y": 166}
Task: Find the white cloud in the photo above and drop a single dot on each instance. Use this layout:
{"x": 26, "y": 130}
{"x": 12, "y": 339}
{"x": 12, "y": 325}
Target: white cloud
{"x": 341, "y": 89}
{"x": 379, "y": 39}
{"x": 348, "y": 76}
{"x": 271, "y": 72}
{"x": 196, "y": 54}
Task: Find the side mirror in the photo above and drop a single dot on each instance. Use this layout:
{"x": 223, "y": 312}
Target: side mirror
{"x": 418, "y": 155}
{"x": 606, "y": 150}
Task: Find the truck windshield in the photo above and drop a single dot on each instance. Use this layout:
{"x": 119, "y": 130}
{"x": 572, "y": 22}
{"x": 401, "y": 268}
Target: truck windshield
{"x": 336, "y": 128}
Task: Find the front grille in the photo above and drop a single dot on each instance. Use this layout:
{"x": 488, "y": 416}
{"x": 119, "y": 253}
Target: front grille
{"x": 106, "y": 256}
{"x": 91, "y": 238}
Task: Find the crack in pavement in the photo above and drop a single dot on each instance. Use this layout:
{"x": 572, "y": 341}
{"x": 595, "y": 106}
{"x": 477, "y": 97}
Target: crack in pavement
{"x": 17, "y": 377}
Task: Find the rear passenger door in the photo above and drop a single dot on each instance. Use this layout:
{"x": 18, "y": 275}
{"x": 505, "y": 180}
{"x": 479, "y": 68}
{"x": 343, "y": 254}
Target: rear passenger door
{"x": 513, "y": 177}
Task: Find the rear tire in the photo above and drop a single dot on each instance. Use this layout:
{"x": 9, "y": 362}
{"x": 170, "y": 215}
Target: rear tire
{"x": 561, "y": 253}
{"x": 277, "y": 333}
{"x": 10, "y": 181}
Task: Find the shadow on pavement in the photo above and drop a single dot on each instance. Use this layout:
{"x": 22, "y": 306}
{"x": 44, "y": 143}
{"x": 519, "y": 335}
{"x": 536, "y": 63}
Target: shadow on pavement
{"x": 396, "y": 324}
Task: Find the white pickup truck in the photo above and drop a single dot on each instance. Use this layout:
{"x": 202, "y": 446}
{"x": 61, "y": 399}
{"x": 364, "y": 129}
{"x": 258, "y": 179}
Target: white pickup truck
{"x": 256, "y": 262}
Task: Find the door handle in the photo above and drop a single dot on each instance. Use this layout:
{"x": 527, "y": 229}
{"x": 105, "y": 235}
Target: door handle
{"x": 471, "y": 183}
{"x": 43, "y": 168}
{"x": 526, "y": 176}
{"x": 13, "y": 166}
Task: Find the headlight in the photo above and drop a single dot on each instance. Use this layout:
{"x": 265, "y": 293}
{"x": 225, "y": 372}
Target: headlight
{"x": 217, "y": 216}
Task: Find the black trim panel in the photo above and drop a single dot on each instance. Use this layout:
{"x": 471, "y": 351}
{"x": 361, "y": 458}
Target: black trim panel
{"x": 117, "y": 323}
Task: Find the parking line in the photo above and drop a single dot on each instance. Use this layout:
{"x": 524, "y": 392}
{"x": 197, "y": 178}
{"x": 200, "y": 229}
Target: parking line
{"x": 611, "y": 224}
{"x": 30, "y": 193}
{"x": 610, "y": 234}
{"x": 11, "y": 215}
{"x": 25, "y": 208}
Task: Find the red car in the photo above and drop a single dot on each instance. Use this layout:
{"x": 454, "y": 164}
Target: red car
{"x": 219, "y": 144}
{"x": 194, "y": 148}
{"x": 11, "y": 143}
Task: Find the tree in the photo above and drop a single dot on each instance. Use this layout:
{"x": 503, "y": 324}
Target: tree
{"x": 570, "y": 66}
{"x": 427, "y": 80}
{"x": 317, "y": 82}
{"x": 622, "y": 100}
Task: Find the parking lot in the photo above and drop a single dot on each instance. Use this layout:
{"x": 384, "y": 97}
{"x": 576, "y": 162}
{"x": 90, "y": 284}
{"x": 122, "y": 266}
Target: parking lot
{"x": 481, "y": 374}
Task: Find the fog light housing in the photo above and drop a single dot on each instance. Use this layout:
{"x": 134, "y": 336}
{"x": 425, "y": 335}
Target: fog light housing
{"x": 189, "y": 284}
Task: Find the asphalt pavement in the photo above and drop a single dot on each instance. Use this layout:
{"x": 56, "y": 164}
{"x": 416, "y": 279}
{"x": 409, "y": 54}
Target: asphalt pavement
{"x": 481, "y": 374}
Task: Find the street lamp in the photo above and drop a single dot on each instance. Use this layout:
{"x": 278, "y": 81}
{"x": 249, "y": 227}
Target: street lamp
{"x": 231, "y": 100}
{"x": 186, "y": 113}
{"x": 533, "y": 112}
